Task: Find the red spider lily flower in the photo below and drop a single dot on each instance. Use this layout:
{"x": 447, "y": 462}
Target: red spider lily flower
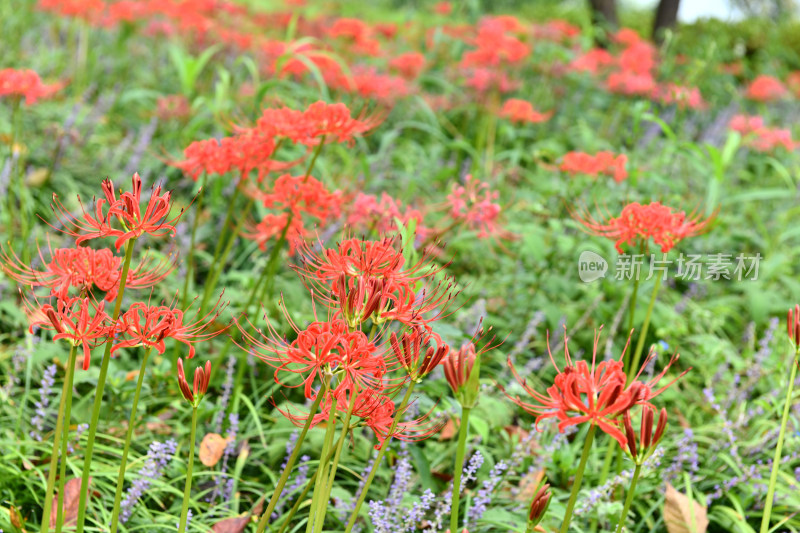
{"x": 494, "y": 47}
{"x": 627, "y": 37}
{"x": 475, "y": 205}
{"x": 462, "y": 374}
{"x": 648, "y": 440}
{"x": 202, "y": 375}
{"x": 793, "y": 325}
{"x": 631, "y": 83}
{"x": 599, "y": 394}
{"x": 322, "y": 348}
{"x": 765, "y": 89}
{"x": 126, "y": 210}
{"x": 746, "y": 124}
{"x": 146, "y": 325}
{"x": 555, "y": 30}
{"x": 25, "y": 84}
{"x": 368, "y": 212}
{"x": 173, "y": 107}
{"x": 409, "y": 65}
{"x": 639, "y": 223}
{"x": 443, "y": 8}
{"x": 601, "y": 163}
{"x": 89, "y": 10}
{"x": 408, "y": 348}
{"x": 84, "y": 269}
{"x": 539, "y": 505}
{"x": 520, "y": 111}
{"x": 369, "y": 83}
{"x": 768, "y": 139}
{"x": 592, "y": 61}
{"x": 204, "y": 156}
{"x": 683, "y": 97}
{"x": 333, "y": 122}
{"x": 80, "y": 321}
{"x": 484, "y": 80}
{"x": 638, "y": 58}
{"x": 416, "y": 308}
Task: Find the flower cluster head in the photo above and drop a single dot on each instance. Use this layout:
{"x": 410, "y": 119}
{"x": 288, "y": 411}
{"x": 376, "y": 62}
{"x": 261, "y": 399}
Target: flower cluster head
{"x": 522, "y": 111}
{"x": 25, "y": 84}
{"x": 411, "y": 345}
{"x": 409, "y": 65}
{"x": 599, "y": 394}
{"x": 639, "y": 449}
{"x": 793, "y": 325}
{"x": 367, "y": 211}
{"x": 462, "y": 369}
{"x": 84, "y": 269}
{"x": 125, "y": 217}
{"x": 606, "y": 163}
{"x": 475, "y": 204}
{"x": 765, "y": 89}
{"x": 638, "y": 223}
{"x": 320, "y": 122}
{"x": 81, "y": 321}
{"x": 760, "y": 137}
{"x": 202, "y": 375}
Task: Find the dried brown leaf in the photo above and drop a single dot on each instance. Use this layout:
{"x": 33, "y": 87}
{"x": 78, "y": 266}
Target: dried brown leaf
{"x": 448, "y": 430}
{"x": 237, "y": 524}
{"x": 682, "y": 515}
{"x": 211, "y": 448}
{"x": 528, "y": 485}
{"x": 72, "y": 494}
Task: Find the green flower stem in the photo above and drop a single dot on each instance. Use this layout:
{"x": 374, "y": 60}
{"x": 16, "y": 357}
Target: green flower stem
{"x": 326, "y": 494}
{"x": 211, "y": 283}
{"x": 272, "y": 265}
{"x": 190, "y": 255}
{"x": 314, "y": 158}
{"x": 51, "y": 475}
{"x": 62, "y": 474}
{"x": 637, "y": 355}
{"x": 776, "y": 461}
{"x": 629, "y": 499}
{"x": 576, "y": 485}
{"x": 461, "y": 450}
{"x": 98, "y": 398}
{"x": 187, "y": 487}
{"x": 377, "y": 463}
{"x": 318, "y": 502}
{"x": 212, "y": 272}
{"x": 126, "y": 448}
{"x": 262, "y": 523}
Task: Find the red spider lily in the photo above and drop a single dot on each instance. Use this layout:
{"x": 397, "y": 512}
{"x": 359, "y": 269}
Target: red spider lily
{"x": 443, "y": 8}
{"x": 638, "y": 58}
{"x": 539, "y": 504}
{"x": 321, "y": 348}
{"x": 768, "y": 139}
{"x": 83, "y": 268}
{"x": 793, "y": 325}
{"x": 521, "y": 111}
{"x": 366, "y": 211}
{"x": 202, "y": 375}
{"x": 484, "y": 80}
{"x": 495, "y": 47}
{"x": 89, "y": 10}
{"x": 333, "y": 122}
{"x": 408, "y": 348}
{"x": 631, "y": 83}
{"x": 599, "y": 394}
{"x": 458, "y": 368}
{"x": 409, "y": 65}
{"x": 126, "y": 210}
{"x": 640, "y": 223}
{"x": 648, "y": 440}
{"x": 25, "y": 84}
{"x": 592, "y": 61}
{"x": 746, "y": 124}
{"x": 146, "y": 325}
{"x": 600, "y": 163}
{"x": 369, "y": 83}
{"x": 172, "y": 107}
{"x": 683, "y": 97}
{"x": 80, "y": 321}
{"x": 765, "y": 89}
{"x": 204, "y": 156}
{"x": 475, "y": 204}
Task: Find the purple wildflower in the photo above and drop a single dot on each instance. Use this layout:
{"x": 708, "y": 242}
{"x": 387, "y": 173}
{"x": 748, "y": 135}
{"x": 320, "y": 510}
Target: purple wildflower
{"x": 43, "y": 403}
{"x": 158, "y": 456}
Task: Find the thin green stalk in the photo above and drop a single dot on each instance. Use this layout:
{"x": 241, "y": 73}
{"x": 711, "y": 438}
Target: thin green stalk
{"x": 461, "y": 450}
{"x": 12, "y": 142}
{"x": 62, "y": 475}
{"x": 629, "y": 499}
{"x": 128, "y": 435}
{"x": 98, "y": 398}
{"x": 576, "y": 485}
{"x": 314, "y": 158}
{"x": 190, "y": 255}
{"x": 318, "y": 502}
{"x": 262, "y": 523}
{"x": 51, "y": 475}
{"x": 377, "y": 463}
{"x": 776, "y": 461}
{"x": 633, "y": 369}
{"x": 218, "y": 248}
{"x": 272, "y": 265}
{"x": 326, "y": 494}
{"x": 212, "y": 283}
{"x": 187, "y": 487}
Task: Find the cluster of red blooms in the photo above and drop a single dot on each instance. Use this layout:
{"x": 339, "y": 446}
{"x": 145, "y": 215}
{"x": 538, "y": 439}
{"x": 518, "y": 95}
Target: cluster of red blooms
{"x": 760, "y": 137}
{"x": 638, "y": 223}
{"x": 497, "y": 49}
{"x": 25, "y": 84}
{"x": 765, "y": 89}
{"x": 606, "y": 163}
{"x": 367, "y": 211}
{"x": 522, "y": 111}
{"x": 363, "y": 284}
{"x": 80, "y": 318}
{"x": 599, "y": 394}
{"x": 475, "y": 205}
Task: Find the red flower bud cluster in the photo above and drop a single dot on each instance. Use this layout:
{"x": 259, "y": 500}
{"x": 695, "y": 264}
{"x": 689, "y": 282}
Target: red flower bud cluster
{"x": 202, "y": 375}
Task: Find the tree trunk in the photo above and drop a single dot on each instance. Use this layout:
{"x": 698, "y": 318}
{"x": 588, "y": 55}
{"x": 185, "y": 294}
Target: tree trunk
{"x": 604, "y": 12}
{"x": 666, "y": 17}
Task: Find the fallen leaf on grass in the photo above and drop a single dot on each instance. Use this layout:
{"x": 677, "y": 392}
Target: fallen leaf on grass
{"x": 72, "y": 494}
{"x": 448, "y": 430}
{"x": 211, "y": 449}
{"x": 237, "y": 524}
{"x": 682, "y": 515}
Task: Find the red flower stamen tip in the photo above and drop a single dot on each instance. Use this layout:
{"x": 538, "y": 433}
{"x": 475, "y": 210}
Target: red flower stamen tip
{"x": 640, "y": 449}
{"x": 793, "y": 325}
{"x": 408, "y": 348}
